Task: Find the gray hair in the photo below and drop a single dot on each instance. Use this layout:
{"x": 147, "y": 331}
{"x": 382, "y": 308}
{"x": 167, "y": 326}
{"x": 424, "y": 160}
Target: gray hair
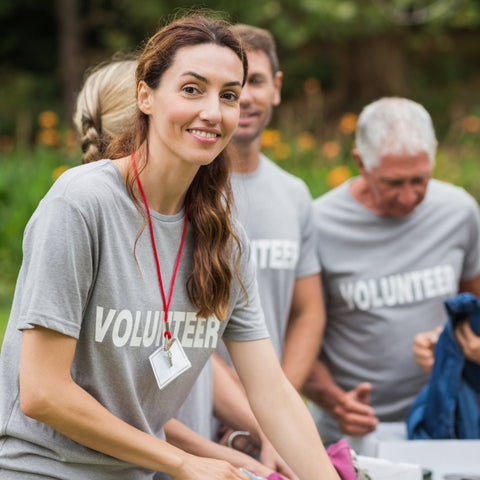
{"x": 394, "y": 125}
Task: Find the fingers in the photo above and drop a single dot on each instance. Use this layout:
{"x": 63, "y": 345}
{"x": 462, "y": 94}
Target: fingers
{"x": 428, "y": 339}
{"x": 243, "y": 476}
{"x": 270, "y": 457}
{"x": 424, "y": 357}
{"x": 353, "y": 423}
{"x": 363, "y": 392}
{"x": 424, "y": 347}
{"x": 468, "y": 341}
{"x": 354, "y": 414}
{"x": 199, "y": 468}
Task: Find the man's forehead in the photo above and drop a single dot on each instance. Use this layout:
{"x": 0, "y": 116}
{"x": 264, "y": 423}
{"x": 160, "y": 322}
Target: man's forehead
{"x": 258, "y": 62}
{"x": 404, "y": 159}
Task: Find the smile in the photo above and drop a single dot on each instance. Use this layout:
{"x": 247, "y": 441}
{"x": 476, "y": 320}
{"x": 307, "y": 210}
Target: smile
{"x": 201, "y": 133}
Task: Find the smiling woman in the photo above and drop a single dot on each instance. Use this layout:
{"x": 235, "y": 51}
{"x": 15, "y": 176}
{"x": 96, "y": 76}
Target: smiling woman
{"x": 133, "y": 269}
{"x": 199, "y": 109}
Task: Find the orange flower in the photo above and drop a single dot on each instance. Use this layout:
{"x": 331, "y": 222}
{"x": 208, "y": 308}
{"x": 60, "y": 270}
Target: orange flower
{"x": 281, "y": 151}
{"x": 471, "y": 124}
{"x": 338, "y": 175}
{"x": 270, "y": 138}
{"x": 305, "y": 142}
{"x": 348, "y": 123}
{"x": 49, "y": 137}
{"x": 48, "y": 119}
{"x": 58, "y": 171}
{"x": 70, "y": 138}
{"x": 330, "y": 149}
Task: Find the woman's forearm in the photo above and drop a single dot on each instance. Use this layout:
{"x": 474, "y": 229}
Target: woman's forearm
{"x": 280, "y": 410}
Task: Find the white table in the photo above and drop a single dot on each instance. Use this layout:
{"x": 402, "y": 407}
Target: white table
{"x": 442, "y": 457}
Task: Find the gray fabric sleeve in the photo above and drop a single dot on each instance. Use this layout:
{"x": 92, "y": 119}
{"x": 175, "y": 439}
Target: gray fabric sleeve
{"x": 471, "y": 266}
{"x": 58, "y": 268}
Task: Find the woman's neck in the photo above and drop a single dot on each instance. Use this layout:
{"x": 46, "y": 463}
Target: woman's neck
{"x": 165, "y": 185}
{"x": 165, "y": 188}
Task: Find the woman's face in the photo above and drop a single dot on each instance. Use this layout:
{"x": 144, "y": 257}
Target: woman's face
{"x": 195, "y": 108}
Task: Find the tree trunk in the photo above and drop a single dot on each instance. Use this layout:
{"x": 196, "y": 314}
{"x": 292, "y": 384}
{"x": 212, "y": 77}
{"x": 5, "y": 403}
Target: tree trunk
{"x": 69, "y": 52}
{"x": 372, "y": 68}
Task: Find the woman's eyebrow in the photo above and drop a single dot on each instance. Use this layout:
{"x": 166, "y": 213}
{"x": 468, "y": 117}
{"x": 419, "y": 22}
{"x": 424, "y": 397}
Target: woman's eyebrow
{"x": 205, "y": 80}
{"x": 196, "y": 75}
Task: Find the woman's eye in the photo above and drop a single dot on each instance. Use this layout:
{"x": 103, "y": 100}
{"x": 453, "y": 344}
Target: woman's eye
{"x": 191, "y": 90}
{"x": 230, "y": 96}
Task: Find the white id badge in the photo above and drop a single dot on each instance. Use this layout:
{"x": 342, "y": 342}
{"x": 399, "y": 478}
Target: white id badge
{"x": 168, "y": 365}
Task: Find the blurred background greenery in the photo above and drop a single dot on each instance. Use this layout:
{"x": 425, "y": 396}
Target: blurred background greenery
{"x": 336, "y": 55}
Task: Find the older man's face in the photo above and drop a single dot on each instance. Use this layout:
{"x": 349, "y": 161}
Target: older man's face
{"x": 399, "y": 184}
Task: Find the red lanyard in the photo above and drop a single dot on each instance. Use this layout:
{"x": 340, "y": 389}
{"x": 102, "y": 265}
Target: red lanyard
{"x": 166, "y": 304}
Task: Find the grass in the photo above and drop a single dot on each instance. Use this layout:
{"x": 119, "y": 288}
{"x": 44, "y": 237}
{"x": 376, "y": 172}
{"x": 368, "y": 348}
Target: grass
{"x": 4, "y": 313}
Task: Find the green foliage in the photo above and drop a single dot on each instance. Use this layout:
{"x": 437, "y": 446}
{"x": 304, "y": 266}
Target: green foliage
{"x": 24, "y": 178}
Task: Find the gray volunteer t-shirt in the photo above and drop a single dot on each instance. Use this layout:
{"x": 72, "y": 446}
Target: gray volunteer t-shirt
{"x": 80, "y": 277}
{"x": 385, "y": 280}
{"x": 275, "y": 208}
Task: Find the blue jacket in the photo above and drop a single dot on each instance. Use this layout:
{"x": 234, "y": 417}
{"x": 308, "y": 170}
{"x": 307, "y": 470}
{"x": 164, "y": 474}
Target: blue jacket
{"x": 447, "y": 407}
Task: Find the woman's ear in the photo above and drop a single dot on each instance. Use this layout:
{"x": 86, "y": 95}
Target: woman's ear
{"x": 144, "y": 98}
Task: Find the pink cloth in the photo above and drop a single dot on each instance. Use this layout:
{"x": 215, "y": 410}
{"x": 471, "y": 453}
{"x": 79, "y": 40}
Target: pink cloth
{"x": 274, "y": 476}
{"x": 341, "y": 458}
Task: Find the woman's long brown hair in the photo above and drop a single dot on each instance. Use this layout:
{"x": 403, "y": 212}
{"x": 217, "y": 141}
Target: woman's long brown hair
{"x": 209, "y": 196}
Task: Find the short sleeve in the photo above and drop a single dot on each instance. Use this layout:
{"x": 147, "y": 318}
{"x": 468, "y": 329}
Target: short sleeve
{"x": 308, "y": 263}
{"x": 57, "y": 271}
{"x": 471, "y": 265}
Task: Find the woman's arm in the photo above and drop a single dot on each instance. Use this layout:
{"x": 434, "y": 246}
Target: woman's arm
{"x": 280, "y": 410}
{"x": 232, "y": 408}
{"x": 49, "y": 394}
{"x": 182, "y": 437}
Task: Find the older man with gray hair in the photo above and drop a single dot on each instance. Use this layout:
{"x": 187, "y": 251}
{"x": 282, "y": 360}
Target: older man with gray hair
{"x": 393, "y": 244}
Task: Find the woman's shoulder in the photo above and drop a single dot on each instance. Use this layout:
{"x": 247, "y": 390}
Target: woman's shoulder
{"x": 95, "y": 174}
{"x": 87, "y": 182}
{"x": 87, "y": 189}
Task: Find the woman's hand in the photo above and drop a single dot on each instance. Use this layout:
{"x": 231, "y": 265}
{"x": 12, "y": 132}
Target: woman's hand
{"x": 271, "y": 458}
{"x": 198, "y": 468}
